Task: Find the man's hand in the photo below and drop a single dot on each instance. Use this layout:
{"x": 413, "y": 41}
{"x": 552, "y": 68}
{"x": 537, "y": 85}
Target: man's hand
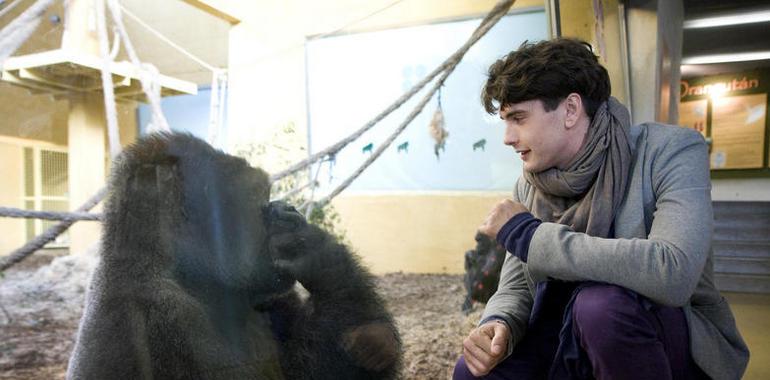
{"x": 500, "y": 214}
{"x": 486, "y": 346}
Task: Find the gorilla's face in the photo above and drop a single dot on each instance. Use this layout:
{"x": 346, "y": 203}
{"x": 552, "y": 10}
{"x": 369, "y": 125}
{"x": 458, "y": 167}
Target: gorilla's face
{"x": 224, "y": 232}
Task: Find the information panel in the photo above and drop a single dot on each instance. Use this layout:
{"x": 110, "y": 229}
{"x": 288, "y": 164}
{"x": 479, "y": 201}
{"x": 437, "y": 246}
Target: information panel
{"x": 694, "y": 114}
{"x": 738, "y": 131}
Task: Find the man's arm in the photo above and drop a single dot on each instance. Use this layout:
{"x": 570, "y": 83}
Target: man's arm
{"x": 512, "y": 302}
{"x": 667, "y": 265}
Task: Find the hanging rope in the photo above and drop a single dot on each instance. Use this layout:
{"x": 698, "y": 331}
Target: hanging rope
{"x": 108, "y": 89}
{"x": 148, "y": 84}
{"x": 115, "y": 44}
{"x": 19, "y": 30}
{"x": 497, "y": 12}
{"x": 218, "y": 82}
{"x": 217, "y": 106}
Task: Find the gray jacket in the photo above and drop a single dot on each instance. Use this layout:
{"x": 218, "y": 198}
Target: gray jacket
{"x": 662, "y": 249}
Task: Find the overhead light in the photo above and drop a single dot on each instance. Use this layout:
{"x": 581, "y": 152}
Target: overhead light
{"x": 720, "y": 58}
{"x": 732, "y": 19}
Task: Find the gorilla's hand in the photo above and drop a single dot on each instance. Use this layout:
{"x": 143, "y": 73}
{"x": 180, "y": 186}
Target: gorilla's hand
{"x": 292, "y": 241}
{"x": 372, "y": 346}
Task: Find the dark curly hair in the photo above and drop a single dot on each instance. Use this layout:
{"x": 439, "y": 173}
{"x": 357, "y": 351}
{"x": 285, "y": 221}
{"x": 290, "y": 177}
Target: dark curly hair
{"x": 548, "y": 71}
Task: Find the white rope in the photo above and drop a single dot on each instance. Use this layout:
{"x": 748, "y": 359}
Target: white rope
{"x": 11, "y": 212}
{"x": 159, "y": 120}
{"x": 308, "y": 205}
{"x": 19, "y": 30}
{"x": 166, "y": 40}
{"x": 9, "y": 7}
{"x": 296, "y": 190}
{"x": 218, "y": 82}
{"x": 107, "y": 87}
{"x": 217, "y": 106}
{"x": 115, "y": 44}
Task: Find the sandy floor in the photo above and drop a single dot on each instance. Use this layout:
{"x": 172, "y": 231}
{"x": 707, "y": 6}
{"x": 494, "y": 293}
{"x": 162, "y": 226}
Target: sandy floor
{"x": 41, "y": 305}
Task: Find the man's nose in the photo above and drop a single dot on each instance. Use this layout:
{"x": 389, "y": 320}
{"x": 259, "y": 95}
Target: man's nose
{"x": 511, "y": 137}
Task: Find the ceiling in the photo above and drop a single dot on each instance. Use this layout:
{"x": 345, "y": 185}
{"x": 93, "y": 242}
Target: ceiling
{"x": 206, "y": 36}
{"x": 196, "y": 31}
{"x": 732, "y": 39}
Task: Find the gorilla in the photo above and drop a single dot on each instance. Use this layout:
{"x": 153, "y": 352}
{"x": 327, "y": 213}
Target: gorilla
{"x": 197, "y": 280}
{"x": 482, "y": 270}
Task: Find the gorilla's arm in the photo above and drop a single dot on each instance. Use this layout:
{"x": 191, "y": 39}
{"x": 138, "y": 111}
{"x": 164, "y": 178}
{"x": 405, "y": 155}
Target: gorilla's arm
{"x": 343, "y": 306}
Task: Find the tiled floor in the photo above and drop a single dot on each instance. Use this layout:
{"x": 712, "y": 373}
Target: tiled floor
{"x": 752, "y": 314}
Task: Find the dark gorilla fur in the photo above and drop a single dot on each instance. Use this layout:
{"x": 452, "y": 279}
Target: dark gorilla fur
{"x": 197, "y": 274}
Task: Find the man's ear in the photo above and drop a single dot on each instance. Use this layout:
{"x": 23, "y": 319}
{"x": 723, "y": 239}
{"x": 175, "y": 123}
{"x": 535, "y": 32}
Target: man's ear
{"x": 573, "y": 105}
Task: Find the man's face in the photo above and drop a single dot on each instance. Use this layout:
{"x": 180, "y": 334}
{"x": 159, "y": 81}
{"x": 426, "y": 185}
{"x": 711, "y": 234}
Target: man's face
{"x": 539, "y": 137}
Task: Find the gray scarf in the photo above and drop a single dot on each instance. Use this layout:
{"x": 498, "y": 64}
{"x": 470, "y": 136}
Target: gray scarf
{"x": 587, "y": 194}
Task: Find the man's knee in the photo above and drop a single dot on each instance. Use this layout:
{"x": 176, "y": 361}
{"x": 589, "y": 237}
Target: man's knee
{"x": 600, "y": 311}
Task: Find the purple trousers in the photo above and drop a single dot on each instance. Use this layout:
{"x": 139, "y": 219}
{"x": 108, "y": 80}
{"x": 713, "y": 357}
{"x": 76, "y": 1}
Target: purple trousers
{"x": 621, "y": 337}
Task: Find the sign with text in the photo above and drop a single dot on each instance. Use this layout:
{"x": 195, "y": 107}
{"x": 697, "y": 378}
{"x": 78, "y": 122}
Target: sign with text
{"x": 693, "y": 114}
{"x": 738, "y": 131}
{"x": 730, "y": 111}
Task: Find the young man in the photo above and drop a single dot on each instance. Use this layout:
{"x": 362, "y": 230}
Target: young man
{"x": 609, "y": 272}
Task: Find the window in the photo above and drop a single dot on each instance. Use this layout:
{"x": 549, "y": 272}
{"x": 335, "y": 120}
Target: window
{"x": 45, "y": 188}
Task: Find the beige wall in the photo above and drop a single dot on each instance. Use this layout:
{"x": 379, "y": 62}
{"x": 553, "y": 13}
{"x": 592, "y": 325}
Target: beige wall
{"x": 11, "y": 191}
{"x": 423, "y": 233}
{"x": 578, "y": 19}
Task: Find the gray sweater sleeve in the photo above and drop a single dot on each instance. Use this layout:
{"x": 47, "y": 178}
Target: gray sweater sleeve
{"x": 667, "y": 265}
{"x": 512, "y": 302}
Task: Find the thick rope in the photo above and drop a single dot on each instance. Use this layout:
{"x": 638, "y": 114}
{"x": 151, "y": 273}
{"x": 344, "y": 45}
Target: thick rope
{"x": 107, "y": 87}
{"x": 158, "y": 119}
{"x": 50, "y": 234}
{"x": 500, "y": 9}
{"x": 19, "y": 30}
{"x": 489, "y": 21}
{"x": 11, "y": 212}
{"x": 296, "y": 190}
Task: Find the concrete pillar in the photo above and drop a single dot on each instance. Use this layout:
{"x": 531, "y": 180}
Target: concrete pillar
{"x": 87, "y": 159}
{"x": 600, "y": 23}
{"x": 655, "y": 54}
{"x": 85, "y": 124}
{"x": 640, "y": 44}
